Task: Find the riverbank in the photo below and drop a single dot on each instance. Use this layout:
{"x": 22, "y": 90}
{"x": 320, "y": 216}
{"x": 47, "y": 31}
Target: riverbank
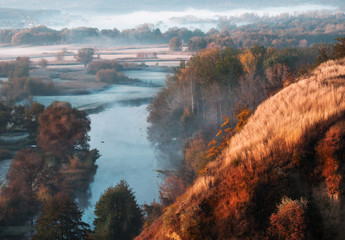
{"x": 118, "y": 125}
{"x": 73, "y": 80}
{"x": 151, "y": 55}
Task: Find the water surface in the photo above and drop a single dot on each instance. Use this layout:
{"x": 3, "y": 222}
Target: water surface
{"x": 4, "y": 166}
{"x": 119, "y": 132}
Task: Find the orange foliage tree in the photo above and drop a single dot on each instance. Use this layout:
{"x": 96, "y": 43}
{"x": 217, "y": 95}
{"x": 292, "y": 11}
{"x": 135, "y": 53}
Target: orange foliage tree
{"x": 289, "y": 222}
{"x": 327, "y": 151}
{"x": 221, "y": 140}
{"x": 63, "y": 130}
{"x": 242, "y": 115}
{"x": 170, "y": 190}
{"x": 195, "y": 155}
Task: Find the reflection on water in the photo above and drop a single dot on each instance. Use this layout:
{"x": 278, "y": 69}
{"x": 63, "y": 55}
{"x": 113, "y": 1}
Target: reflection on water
{"x": 116, "y": 93}
{"x": 4, "y": 166}
{"x": 147, "y": 76}
{"x": 119, "y": 133}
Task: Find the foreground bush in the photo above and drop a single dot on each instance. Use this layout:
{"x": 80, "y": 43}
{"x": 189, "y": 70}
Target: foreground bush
{"x": 289, "y": 221}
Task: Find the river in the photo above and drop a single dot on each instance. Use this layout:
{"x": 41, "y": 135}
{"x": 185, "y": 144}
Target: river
{"x": 119, "y": 132}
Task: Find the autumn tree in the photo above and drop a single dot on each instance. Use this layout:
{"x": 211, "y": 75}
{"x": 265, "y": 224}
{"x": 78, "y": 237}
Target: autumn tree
{"x": 151, "y": 212}
{"x": 197, "y": 43}
{"x": 27, "y": 174}
{"x": 31, "y": 114}
{"x": 43, "y": 63}
{"x": 60, "y": 219}
{"x": 248, "y": 61}
{"x": 27, "y": 165}
{"x": 17, "y": 203}
{"x": 175, "y": 44}
{"x": 289, "y": 223}
{"x": 61, "y": 54}
{"x": 117, "y": 214}
{"x": 5, "y": 116}
{"x": 195, "y": 156}
{"x": 242, "y": 114}
{"x": 339, "y": 48}
{"x": 170, "y": 189}
{"x": 221, "y": 140}
{"x": 96, "y": 66}
{"x": 22, "y": 67}
{"x": 85, "y": 55}
{"x": 63, "y": 130}
{"x": 330, "y": 156}
{"x": 278, "y": 76}
{"x": 110, "y": 76}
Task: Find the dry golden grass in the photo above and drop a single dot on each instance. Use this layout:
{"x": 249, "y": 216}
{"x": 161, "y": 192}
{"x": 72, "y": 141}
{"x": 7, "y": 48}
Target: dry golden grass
{"x": 201, "y": 184}
{"x": 277, "y": 127}
{"x": 289, "y": 113}
{"x": 285, "y": 117}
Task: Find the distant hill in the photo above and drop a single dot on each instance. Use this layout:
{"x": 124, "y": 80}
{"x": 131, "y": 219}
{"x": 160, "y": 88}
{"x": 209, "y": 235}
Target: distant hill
{"x": 117, "y": 5}
{"x": 290, "y": 153}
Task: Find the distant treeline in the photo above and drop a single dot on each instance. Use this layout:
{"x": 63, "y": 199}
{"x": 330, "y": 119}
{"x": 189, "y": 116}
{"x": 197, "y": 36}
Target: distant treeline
{"x": 280, "y": 31}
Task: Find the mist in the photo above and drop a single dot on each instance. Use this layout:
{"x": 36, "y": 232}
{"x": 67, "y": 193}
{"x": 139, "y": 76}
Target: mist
{"x": 188, "y": 17}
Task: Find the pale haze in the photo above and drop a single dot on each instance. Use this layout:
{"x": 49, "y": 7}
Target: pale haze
{"x": 106, "y": 14}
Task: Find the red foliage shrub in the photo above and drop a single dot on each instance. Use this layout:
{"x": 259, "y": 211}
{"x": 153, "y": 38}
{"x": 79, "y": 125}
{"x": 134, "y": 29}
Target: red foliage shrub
{"x": 170, "y": 190}
{"x": 289, "y": 222}
{"x": 327, "y": 150}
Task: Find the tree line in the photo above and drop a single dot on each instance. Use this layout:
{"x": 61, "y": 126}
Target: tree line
{"x": 19, "y": 84}
{"x": 281, "y": 31}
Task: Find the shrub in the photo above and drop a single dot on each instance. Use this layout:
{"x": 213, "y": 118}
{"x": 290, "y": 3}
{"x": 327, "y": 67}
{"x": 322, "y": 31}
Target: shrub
{"x": 327, "y": 151}
{"x": 95, "y": 66}
{"x": 175, "y": 44}
{"x": 289, "y": 222}
{"x": 110, "y": 76}
{"x": 41, "y": 87}
{"x": 43, "y": 63}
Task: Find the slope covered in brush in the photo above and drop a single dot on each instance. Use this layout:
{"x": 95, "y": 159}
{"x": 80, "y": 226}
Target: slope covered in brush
{"x": 291, "y": 154}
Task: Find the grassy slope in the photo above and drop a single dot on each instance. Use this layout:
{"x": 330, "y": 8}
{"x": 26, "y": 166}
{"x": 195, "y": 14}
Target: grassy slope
{"x": 273, "y": 156}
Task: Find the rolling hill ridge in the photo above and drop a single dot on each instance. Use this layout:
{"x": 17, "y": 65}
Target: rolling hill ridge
{"x": 281, "y": 176}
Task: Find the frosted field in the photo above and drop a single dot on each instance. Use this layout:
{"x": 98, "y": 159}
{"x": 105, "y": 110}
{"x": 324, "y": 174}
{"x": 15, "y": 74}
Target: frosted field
{"x": 124, "y": 53}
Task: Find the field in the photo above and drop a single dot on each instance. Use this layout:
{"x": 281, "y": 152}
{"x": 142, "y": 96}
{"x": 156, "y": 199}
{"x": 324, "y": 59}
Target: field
{"x": 70, "y": 77}
{"x": 164, "y": 57}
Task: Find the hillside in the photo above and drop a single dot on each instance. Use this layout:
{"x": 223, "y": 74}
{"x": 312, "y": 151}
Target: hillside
{"x": 291, "y": 154}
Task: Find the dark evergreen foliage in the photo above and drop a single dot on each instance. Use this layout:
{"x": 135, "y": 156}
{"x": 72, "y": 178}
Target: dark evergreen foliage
{"x": 117, "y": 214}
{"x": 60, "y": 219}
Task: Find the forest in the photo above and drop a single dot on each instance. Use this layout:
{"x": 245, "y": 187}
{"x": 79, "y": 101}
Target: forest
{"x": 276, "y": 31}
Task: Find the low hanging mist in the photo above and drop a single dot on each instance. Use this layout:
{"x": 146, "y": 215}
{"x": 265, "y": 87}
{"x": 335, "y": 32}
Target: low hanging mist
{"x": 163, "y": 19}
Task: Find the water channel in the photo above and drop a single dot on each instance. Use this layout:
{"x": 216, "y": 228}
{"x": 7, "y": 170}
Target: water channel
{"x": 119, "y": 132}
